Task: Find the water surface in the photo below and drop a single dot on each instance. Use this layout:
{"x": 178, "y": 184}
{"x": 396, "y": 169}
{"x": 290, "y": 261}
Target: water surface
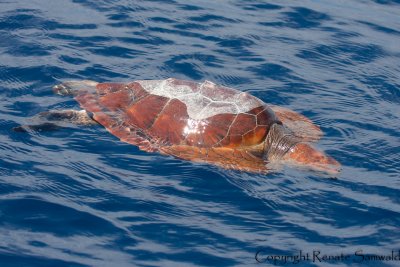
{"x": 80, "y": 197}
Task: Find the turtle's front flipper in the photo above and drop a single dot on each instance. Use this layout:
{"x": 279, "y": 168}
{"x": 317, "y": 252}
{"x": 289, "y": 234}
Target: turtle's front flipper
{"x": 55, "y": 119}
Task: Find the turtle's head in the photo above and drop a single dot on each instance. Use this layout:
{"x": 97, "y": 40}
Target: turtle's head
{"x": 71, "y": 87}
{"x": 307, "y": 156}
{"x": 281, "y": 146}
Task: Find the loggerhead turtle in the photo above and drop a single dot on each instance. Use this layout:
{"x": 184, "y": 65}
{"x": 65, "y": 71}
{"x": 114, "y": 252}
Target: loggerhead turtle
{"x": 201, "y": 122}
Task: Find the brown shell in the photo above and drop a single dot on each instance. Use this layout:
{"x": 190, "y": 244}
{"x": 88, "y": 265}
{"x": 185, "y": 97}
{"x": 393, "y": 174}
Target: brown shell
{"x": 195, "y": 121}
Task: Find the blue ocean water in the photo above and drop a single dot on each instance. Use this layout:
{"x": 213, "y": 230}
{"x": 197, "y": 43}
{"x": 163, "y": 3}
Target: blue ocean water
{"x": 80, "y": 197}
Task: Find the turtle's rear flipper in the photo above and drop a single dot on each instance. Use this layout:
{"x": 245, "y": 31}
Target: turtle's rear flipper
{"x": 300, "y": 125}
{"x": 72, "y": 87}
{"x": 56, "y": 119}
{"x": 47, "y": 126}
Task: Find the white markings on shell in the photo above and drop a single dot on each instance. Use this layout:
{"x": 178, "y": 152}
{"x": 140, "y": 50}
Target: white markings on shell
{"x": 205, "y": 101}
